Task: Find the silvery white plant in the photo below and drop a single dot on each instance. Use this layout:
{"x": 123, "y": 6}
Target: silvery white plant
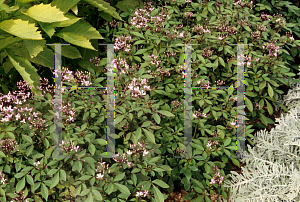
{"x": 272, "y": 174}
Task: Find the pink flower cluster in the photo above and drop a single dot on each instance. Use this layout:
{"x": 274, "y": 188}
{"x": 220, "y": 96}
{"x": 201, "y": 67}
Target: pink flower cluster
{"x": 217, "y": 177}
{"x": 69, "y": 146}
{"x": 19, "y": 197}
{"x": 210, "y": 143}
{"x": 8, "y": 146}
{"x": 142, "y": 193}
{"x": 123, "y": 43}
{"x": 101, "y": 169}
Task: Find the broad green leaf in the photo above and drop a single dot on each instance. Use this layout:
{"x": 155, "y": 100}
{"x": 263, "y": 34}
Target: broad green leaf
{"x": 235, "y": 162}
{"x": 45, "y": 13}
{"x": 159, "y": 197}
{"x": 90, "y": 198}
{"x": 110, "y": 188}
{"x": 82, "y": 28}
{"x": 20, "y": 185}
{"x": 156, "y": 118}
{"x": 270, "y": 108}
{"x": 137, "y": 34}
{"x": 221, "y": 61}
{"x": 52, "y": 171}
{"x": 2, "y": 154}
{"x": 262, "y": 85}
{"x": 138, "y": 133}
{"x": 122, "y": 188}
{"x": 247, "y": 28}
{"x": 261, "y": 104}
{"x": 227, "y": 142}
{"x": 47, "y": 28}
{"x": 160, "y": 183}
{"x": 72, "y": 19}
{"x": 69, "y": 52}
{"x": 8, "y": 41}
{"x": 119, "y": 119}
{"x": 264, "y": 119}
{"x": 85, "y": 177}
{"x": 270, "y": 91}
{"x": 105, "y": 7}
{"x": 34, "y": 47}
{"x": 21, "y": 29}
{"x": 29, "y": 179}
{"x": 141, "y": 51}
{"x": 64, "y": 5}
{"x": 249, "y": 104}
{"x": 146, "y": 124}
{"x": 44, "y": 191}
{"x": 149, "y": 135}
{"x": 119, "y": 177}
{"x": 166, "y": 113}
{"x": 49, "y": 151}
{"x": 77, "y": 190}
{"x": 44, "y": 58}
{"x": 92, "y": 148}
{"x": 84, "y": 192}
{"x": 97, "y": 195}
{"x": 27, "y": 138}
{"x": 55, "y": 180}
{"x": 26, "y": 70}
{"x": 76, "y": 39}
{"x": 63, "y": 175}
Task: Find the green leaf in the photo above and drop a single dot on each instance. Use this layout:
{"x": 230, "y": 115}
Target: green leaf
{"x": 49, "y": 151}
{"x": 270, "y": 91}
{"x": 85, "y": 177}
{"x": 119, "y": 177}
{"x": 122, "y": 188}
{"x": 8, "y": 41}
{"x": 227, "y": 142}
{"x": 249, "y": 104}
{"x": 34, "y": 47}
{"x": 97, "y": 195}
{"x": 110, "y": 188}
{"x": 52, "y": 171}
{"x": 92, "y": 149}
{"x": 141, "y": 51}
{"x": 45, "y": 13}
{"x": 159, "y": 197}
{"x": 27, "y": 138}
{"x": 77, "y": 190}
{"x": 72, "y": 19}
{"x": 2, "y": 154}
{"x": 149, "y": 135}
{"x": 156, "y": 118}
{"x": 29, "y": 179}
{"x": 84, "y": 192}
{"x": 55, "y": 180}
{"x": 76, "y": 39}
{"x": 235, "y": 162}
{"x": 161, "y": 183}
{"x": 119, "y": 119}
{"x": 138, "y": 34}
{"x": 83, "y": 29}
{"x": 166, "y": 113}
{"x": 26, "y": 70}
{"x": 146, "y": 124}
{"x": 105, "y": 7}
{"x": 262, "y": 85}
{"x": 222, "y": 61}
{"x": 261, "y": 104}
{"x": 270, "y": 108}
{"x": 90, "y": 198}
{"x": 63, "y": 175}
{"x": 20, "y": 185}
{"x": 64, "y": 5}
{"x": 264, "y": 119}
{"x": 247, "y": 28}
{"x": 17, "y": 27}
{"x": 123, "y": 5}
{"x": 47, "y": 28}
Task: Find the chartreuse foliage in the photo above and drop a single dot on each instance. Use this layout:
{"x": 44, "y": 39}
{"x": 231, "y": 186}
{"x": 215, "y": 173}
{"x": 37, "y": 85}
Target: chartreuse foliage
{"x": 31, "y": 25}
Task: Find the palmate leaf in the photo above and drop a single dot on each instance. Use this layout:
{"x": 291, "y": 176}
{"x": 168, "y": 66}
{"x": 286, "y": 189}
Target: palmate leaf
{"x": 26, "y": 70}
{"x": 105, "y": 7}
{"x": 45, "y": 13}
{"x": 64, "y": 5}
{"x": 21, "y": 29}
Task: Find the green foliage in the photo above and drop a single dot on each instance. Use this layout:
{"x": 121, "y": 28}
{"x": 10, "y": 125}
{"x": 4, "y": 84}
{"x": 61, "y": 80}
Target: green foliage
{"x": 162, "y": 137}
